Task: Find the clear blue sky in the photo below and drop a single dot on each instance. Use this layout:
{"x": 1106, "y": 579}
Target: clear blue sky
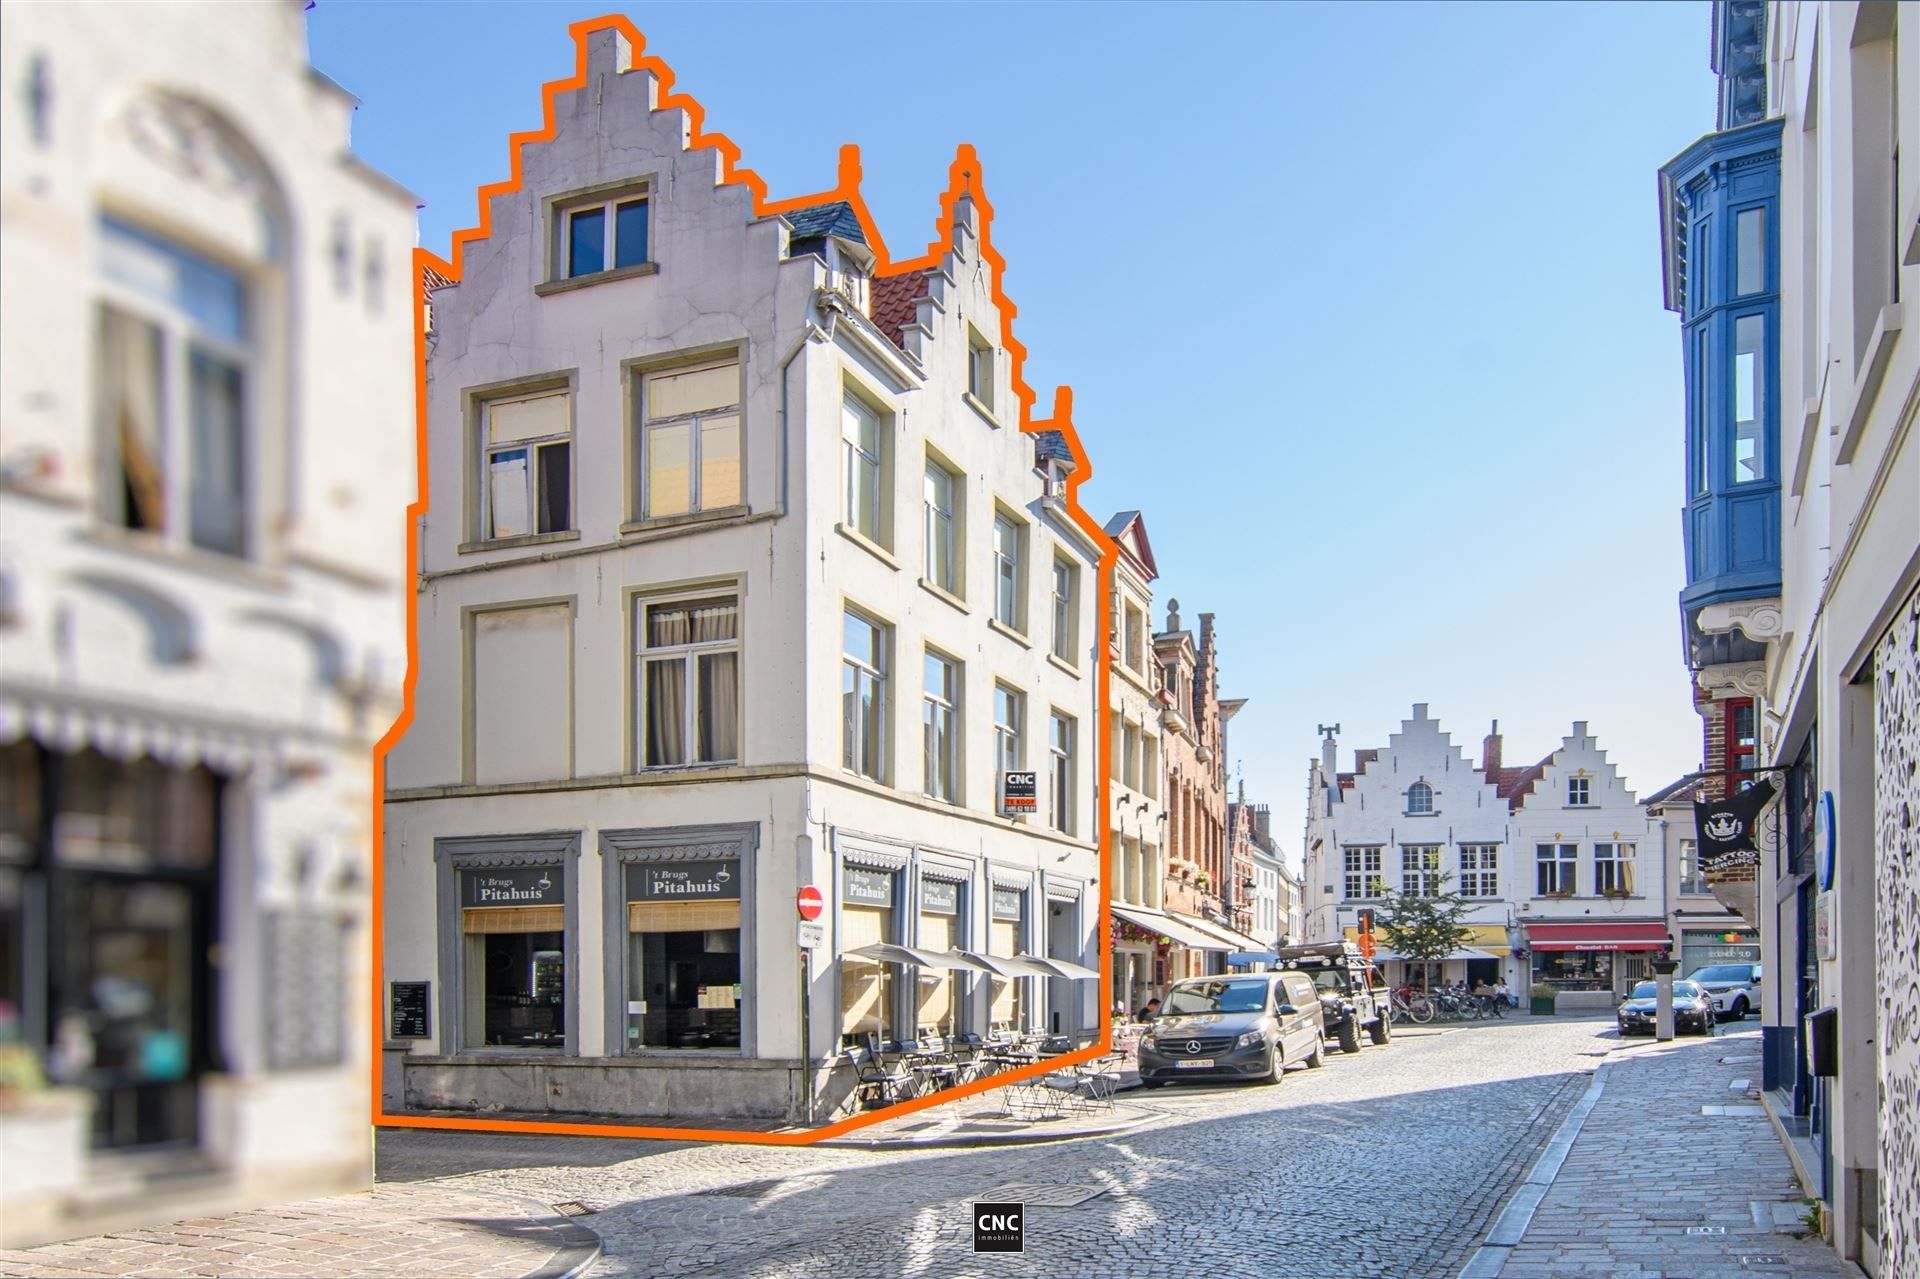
{"x": 1360, "y": 304}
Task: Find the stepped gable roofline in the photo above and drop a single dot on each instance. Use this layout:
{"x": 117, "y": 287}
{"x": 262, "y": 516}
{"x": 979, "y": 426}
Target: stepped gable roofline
{"x": 1514, "y": 784}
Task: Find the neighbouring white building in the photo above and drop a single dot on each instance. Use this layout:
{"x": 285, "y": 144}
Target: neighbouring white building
{"x": 1549, "y": 856}
{"x": 1137, "y": 827}
{"x": 206, "y": 454}
{"x": 739, "y": 575}
{"x": 1790, "y": 239}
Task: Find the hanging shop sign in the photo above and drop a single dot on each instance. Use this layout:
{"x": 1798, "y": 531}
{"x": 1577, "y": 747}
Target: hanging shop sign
{"x": 532, "y": 886}
{"x": 1729, "y": 852}
{"x": 1007, "y": 903}
{"x": 862, "y": 887}
{"x": 1827, "y": 850}
{"x": 717, "y": 880}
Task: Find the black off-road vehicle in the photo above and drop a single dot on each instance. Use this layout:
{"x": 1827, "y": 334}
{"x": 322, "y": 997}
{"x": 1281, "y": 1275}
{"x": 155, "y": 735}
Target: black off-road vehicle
{"x": 1348, "y": 999}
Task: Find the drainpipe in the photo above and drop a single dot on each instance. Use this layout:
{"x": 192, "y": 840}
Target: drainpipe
{"x": 812, "y": 333}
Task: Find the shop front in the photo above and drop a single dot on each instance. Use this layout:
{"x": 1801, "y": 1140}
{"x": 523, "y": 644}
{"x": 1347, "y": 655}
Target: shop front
{"x": 870, "y": 916}
{"x": 942, "y": 990}
{"x": 1591, "y": 964}
{"x": 1704, "y": 947}
{"x": 1012, "y": 1007}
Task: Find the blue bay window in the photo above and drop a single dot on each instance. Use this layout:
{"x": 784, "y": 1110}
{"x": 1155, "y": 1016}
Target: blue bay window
{"x": 1720, "y": 209}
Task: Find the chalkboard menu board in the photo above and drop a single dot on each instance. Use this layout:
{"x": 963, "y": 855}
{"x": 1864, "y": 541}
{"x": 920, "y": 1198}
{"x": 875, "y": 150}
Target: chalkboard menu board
{"x": 409, "y": 1012}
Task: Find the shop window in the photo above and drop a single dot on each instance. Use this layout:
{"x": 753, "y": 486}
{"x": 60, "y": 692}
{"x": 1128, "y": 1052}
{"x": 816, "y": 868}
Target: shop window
{"x": 689, "y": 440}
{"x": 938, "y": 1005}
{"x": 513, "y": 962}
{"x": 867, "y": 987}
{"x": 1006, "y": 933}
{"x": 1574, "y": 969}
{"x": 683, "y": 954}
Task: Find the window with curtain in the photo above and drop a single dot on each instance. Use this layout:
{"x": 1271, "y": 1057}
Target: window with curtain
{"x": 174, "y": 373}
{"x": 689, "y": 440}
{"x": 861, "y": 444}
{"x": 863, "y": 697}
{"x": 689, "y": 681}
{"x": 1613, "y": 869}
{"x": 527, "y": 464}
{"x": 940, "y": 729}
{"x": 942, "y": 566}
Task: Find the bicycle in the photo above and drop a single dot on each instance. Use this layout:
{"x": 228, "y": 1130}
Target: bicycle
{"x": 1412, "y": 1006}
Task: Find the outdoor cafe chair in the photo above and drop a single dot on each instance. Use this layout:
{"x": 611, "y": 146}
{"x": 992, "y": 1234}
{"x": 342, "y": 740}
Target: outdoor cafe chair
{"x": 877, "y": 1083}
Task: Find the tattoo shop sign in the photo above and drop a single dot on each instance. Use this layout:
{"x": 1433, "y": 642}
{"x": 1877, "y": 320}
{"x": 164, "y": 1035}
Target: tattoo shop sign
{"x": 1729, "y": 849}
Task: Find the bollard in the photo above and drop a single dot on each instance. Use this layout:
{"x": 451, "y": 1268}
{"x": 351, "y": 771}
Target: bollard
{"x": 1663, "y": 969}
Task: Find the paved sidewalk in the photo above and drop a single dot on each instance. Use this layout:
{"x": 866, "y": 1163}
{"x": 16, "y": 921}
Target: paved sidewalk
{"x": 423, "y": 1231}
{"x": 1667, "y": 1168}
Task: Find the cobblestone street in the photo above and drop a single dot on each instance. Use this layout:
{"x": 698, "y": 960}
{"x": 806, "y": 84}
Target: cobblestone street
{"x": 1392, "y": 1163}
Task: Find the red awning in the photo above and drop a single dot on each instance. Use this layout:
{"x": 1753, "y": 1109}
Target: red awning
{"x": 1598, "y": 936}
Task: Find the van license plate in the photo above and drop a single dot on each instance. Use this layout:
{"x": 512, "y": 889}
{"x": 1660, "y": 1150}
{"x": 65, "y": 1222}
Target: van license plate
{"x": 1198, "y": 1061}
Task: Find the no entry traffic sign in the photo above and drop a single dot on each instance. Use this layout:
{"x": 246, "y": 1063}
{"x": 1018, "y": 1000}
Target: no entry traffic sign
{"x": 809, "y": 902}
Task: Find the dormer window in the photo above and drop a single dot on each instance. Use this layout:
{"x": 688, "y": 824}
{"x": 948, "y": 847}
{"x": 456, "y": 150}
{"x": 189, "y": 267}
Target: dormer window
{"x": 1419, "y": 800}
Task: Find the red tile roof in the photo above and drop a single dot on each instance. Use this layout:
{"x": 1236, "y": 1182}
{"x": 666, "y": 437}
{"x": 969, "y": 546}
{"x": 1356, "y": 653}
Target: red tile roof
{"x": 893, "y": 302}
{"x": 1512, "y": 784}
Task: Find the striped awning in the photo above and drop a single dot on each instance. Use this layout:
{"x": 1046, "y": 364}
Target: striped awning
{"x": 126, "y": 730}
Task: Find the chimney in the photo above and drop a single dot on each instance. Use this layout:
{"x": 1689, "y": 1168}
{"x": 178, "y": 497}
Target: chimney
{"x": 1490, "y": 753}
{"x": 1329, "y": 757}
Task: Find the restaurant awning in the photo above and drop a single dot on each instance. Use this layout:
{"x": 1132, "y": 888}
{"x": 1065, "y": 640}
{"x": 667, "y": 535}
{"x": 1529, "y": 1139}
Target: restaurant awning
{"x": 1174, "y": 926}
{"x": 1464, "y": 952}
{"x": 1064, "y": 968}
{"x": 888, "y": 953}
{"x": 1597, "y": 935}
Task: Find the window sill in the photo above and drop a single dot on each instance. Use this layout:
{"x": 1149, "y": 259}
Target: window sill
{"x": 944, "y": 595}
{"x": 714, "y": 516}
{"x": 1068, "y": 667}
{"x": 681, "y": 770}
{"x": 995, "y": 624}
{"x": 978, "y": 406}
{"x": 162, "y": 549}
{"x": 527, "y": 539}
{"x": 551, "y": 287}
{"x": 1434, "y": 813}
{"x": 868, "y": 545}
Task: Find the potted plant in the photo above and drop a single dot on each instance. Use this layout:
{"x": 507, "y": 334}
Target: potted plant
{"x": 1203, "y": 879}
{"x": 1542, "y": 999}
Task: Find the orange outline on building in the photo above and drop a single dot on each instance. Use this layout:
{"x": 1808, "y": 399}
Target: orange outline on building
{"x": 963, "y": 179}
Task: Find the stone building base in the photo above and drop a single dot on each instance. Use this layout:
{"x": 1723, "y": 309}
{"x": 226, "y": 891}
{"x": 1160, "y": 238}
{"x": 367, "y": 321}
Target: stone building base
{"x": 717, "y": 1088}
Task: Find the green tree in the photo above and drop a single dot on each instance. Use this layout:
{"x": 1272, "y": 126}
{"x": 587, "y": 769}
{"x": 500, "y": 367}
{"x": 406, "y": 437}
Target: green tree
{"x": 1424, "y": 930}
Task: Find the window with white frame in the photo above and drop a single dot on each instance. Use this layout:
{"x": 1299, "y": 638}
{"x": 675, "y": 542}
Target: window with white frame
{"x": 1613, "y": 869}
{"x": 1579, "y": 791}
{"x": 1009, "y": 728}
{"x": 689, "y": 681}
{"x": 175, "y": 374}
{"x": 1008, "y": 572}
{"x": 1420, "y": 870}
{"x": 863, "y": 446}
{"x": 527, "y": 461}
{"x": 1060, "y": 772}
{"x": 1066, "y": 610}
{"x": 1419, "y": 799}
{"x": 604, "y": 234}
{"x": 980, "y": 369}
{"x": 863, "y": 697}
{"x": 940, "y": 726}
{"x": 689, "y": 440}
{"x": 1363, "y": 878}
{"x": 1479, "y": 870}
{"x": 1554, "y": 866}
{"x": 943, "y": 545}
{"x": 1693, "y": 879}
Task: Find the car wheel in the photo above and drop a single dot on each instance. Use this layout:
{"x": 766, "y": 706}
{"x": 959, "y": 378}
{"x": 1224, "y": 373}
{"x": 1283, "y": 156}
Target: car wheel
{"x": 1349, "y": 1035}
{"x": 1739, "y": 1010}
{"x": 1379, "y": 1031}
{"x": 1276, "y": 1066}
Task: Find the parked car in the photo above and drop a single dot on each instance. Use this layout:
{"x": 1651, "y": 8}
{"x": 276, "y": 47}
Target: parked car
{"x": 1692, "y": 1009}
{"x": 1734, "y": 988}
{"x": 1234, "y": 1027}
{"x": 1352, "y": 994}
